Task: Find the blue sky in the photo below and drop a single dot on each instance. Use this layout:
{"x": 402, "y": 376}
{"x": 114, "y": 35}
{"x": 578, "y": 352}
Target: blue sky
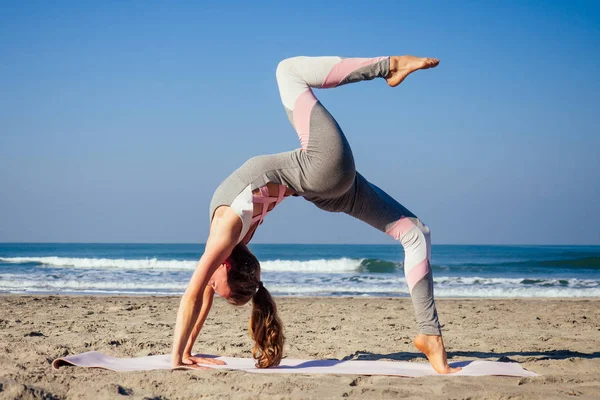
{"x": 119, "y": 119}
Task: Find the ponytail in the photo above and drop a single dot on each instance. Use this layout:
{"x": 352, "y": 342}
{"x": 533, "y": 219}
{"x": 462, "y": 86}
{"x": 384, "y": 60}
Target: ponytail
{"x": 265, "y": 326}
{"x": 266, "y": 329}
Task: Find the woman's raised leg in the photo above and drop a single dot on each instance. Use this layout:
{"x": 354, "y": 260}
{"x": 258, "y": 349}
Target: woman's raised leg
{"x": 325, "y": 162}
{"x": 325, "y": 158}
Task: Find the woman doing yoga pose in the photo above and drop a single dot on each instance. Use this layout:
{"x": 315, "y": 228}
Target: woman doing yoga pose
{"x": 322, "y": 171}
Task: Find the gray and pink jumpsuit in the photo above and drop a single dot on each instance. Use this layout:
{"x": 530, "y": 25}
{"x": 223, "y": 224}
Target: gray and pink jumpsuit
{"x": 323, "y": 172}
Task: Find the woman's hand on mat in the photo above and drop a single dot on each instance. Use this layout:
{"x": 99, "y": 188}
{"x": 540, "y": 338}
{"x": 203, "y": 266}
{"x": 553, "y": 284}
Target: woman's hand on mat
{"x": 186, "y": 367}
{"x": 191, "y": 362}
{"x": 194, "y": 360}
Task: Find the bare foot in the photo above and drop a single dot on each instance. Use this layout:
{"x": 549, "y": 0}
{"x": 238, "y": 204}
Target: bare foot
{"x": 402, "y": 66}
{"x": 433, "y": 348}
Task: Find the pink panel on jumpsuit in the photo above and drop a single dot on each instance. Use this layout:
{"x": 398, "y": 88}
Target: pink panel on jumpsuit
{"x": 401, "y": 226}
{"x": 265, "y": 199}
{"x": 302, "y": 109}
{"x": 344, "y": 68}
{"x": 417, "y": 273}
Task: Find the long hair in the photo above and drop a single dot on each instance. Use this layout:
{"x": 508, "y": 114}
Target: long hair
{"x": 265, "y": 326}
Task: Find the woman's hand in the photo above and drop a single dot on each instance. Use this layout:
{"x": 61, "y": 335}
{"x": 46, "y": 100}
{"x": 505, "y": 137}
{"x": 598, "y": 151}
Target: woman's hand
{"x": 182, "y": 366}
{"x": 193, "y": 360}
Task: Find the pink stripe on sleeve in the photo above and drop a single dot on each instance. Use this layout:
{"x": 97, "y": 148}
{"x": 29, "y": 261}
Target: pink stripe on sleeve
{"x": 344, "y": 68}
{"x": 417, "y": 273}
{"x": 401, "y": 226}
{"x": 302, "y": 109}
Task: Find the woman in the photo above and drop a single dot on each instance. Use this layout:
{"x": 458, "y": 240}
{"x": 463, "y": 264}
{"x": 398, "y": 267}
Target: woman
{"x": 322, "y": 172}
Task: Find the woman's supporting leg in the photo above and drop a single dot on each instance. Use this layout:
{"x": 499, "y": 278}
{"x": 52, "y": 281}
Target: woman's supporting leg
{"x": 372, "y": 205}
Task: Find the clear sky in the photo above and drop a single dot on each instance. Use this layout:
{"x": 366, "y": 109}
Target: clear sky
{"x": 119, "y": 119}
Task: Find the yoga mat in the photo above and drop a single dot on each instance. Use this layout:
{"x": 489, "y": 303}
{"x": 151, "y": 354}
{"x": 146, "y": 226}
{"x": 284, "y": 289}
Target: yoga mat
{"x": 292, "y": 366}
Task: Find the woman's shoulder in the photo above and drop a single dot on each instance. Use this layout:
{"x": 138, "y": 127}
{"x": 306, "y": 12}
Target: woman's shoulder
{"x": 226, "y": 222}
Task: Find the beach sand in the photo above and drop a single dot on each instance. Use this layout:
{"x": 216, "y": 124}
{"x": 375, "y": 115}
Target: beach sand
{"x": 559, "y": 339}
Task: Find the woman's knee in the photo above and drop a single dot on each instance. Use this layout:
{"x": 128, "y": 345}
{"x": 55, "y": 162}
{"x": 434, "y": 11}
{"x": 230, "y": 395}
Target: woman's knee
{"x": 412, "y": 234}
{"x": 285, "y": 68}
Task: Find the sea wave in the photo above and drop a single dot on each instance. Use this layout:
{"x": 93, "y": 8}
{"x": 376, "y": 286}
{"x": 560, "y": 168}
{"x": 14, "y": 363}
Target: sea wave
{"x": 88, "y": 263}
{"x": 584, "y": 261}
{"x": 440, "y": 292}
{"x": 340, "y": 265}
{"x": 80, "y": 285}
{"x": 356, "y": 285}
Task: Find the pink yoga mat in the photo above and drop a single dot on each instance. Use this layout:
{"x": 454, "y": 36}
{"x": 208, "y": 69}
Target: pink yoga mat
{"x": 292, "y": 366}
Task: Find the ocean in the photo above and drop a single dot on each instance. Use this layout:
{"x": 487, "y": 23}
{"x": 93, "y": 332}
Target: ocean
{"x": 304, "y": 270}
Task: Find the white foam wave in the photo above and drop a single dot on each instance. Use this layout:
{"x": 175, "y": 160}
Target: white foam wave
{"x": 78, "y": 285}
{"x": 520, "y": 283}
{"x": 22, "y": 284}
{"x": 517, "y": 292}
{"x": 89, "y": 263}
{"x": 341, "y": 265}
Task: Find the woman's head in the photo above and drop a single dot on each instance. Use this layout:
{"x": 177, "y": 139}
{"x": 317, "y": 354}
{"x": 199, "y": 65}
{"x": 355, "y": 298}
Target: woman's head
{"x": 243, "y": 277}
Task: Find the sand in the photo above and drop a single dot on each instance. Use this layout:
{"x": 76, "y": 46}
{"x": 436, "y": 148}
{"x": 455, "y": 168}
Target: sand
{"x": 559, "y": 339}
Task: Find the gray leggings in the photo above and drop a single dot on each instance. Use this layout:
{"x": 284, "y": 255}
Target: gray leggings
{"x": 323, "y": 170}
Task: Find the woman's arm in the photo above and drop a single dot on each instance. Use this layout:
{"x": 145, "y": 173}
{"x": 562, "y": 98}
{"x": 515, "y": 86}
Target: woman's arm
{"x": 207, "y": 300}
{"x": 224, "y": 232}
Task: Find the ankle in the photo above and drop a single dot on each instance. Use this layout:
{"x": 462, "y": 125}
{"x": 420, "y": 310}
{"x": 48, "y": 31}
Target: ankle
{"x": 393, "y": 67}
